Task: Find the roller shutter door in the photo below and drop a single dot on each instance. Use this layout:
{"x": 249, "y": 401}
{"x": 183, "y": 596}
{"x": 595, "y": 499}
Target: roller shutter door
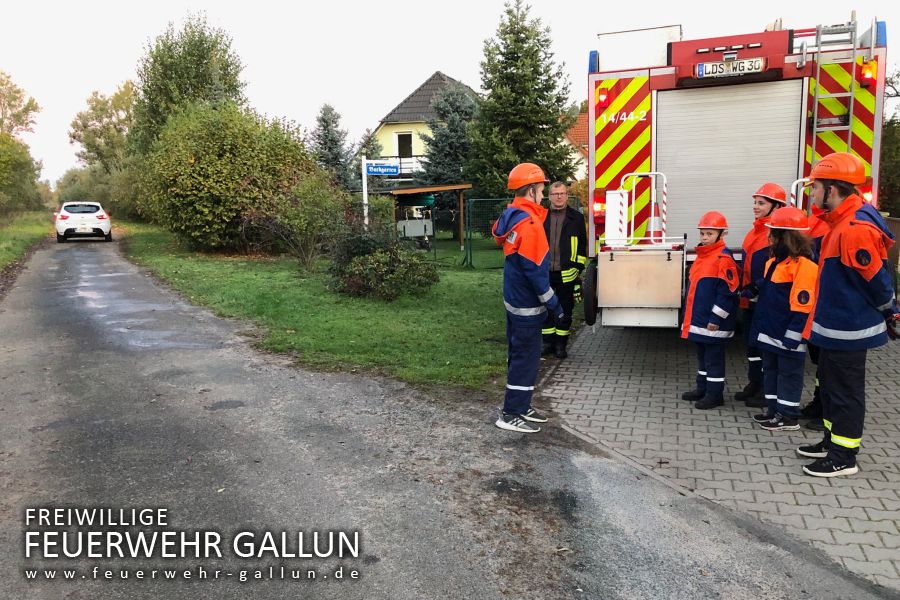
{"x": 717, "y": 145}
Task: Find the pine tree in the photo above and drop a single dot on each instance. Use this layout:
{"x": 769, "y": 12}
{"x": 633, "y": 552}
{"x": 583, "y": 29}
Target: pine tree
{"x": 448, "y": 144}
{"x": 371, "y": 148}
{"x": 523, "y": 116}
{"x": 328, "y": 143}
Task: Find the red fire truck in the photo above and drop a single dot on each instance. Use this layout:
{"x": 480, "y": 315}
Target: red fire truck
{"x": 702, "y": 132}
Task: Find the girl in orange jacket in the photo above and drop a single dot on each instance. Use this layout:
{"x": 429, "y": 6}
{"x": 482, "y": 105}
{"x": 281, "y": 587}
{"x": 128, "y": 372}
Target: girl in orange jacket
{"x": 756, "y": 251}
{"x": 787, "y": 294}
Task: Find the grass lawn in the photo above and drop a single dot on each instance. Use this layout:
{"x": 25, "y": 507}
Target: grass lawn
{"x": 454, "y": 334}
{"x": 22, "y": 231}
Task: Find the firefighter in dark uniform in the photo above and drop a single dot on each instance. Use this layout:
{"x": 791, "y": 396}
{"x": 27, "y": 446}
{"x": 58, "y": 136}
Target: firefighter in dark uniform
{"x": 567, "y": 238}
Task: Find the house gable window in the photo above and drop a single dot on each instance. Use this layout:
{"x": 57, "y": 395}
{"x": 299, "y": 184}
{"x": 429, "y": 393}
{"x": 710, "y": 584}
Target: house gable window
{"x": 404, "y": 145}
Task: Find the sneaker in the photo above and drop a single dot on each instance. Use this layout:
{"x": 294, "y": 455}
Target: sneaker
{"x": 826, "y": 467}
{"x": 819, "y": 450}
{"x": 751, "y": 389}
{"x": 780, "y": 423}
{"x": 534, "y": 416}
{"x": 708, "y": 402}
{"x": 816, "y": 425}
{"x": 761, "y": 417}
{"x": 515, "y": 423}
{"x": 693, "y": 395}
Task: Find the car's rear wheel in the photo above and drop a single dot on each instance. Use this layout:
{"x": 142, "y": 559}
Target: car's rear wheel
{"x": 108, "y": 237}
{"x": 60, "y": 239}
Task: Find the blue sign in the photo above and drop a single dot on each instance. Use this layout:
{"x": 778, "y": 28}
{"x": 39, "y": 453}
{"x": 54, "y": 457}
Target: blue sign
{"x": 382, "y": 169}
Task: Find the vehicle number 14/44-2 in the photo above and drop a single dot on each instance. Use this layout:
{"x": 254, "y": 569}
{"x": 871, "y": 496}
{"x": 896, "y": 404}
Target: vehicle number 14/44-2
{"x": 640, "y": 115}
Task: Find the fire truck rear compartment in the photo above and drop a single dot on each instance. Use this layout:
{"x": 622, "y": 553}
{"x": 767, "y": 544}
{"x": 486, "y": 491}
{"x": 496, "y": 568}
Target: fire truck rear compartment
{"x": 716, "y": 145}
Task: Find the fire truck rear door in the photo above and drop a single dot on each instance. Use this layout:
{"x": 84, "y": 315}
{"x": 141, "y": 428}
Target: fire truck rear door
{"x": 717, "y": 144}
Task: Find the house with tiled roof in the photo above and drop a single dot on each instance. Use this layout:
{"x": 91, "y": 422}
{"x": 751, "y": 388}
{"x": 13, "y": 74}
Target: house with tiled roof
{"x": 577, "y": 137}
{"x": 400, "y": 131}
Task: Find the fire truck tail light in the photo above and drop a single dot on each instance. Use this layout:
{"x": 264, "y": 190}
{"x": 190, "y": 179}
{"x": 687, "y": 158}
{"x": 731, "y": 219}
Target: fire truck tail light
{"x": 869, "y": 73}
{"x": 603, "y": 98}
{"x": 866, "y": 193}
{"x": 599, "y": 207}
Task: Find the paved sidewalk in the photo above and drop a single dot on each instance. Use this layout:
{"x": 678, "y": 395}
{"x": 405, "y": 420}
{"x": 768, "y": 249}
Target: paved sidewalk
{"x": 622, "y": 387}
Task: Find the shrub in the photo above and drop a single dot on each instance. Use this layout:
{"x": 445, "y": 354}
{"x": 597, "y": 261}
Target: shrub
{"x": 304, "y": 221}
{"x": 371, "y": 261}
{"x": 389, "y": 274}
{"x": 351, "y": 238}
{"x": 213, "y": 164}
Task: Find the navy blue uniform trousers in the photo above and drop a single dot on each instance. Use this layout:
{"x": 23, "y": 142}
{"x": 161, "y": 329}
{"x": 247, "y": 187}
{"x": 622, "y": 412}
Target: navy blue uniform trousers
{"x": 523, "y": 362}
{"x": 783, "y": 382}
{"x": 711, "y": 369}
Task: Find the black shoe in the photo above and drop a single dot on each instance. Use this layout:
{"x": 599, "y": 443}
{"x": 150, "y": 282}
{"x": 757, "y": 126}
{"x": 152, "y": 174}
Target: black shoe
{"x": 560, "y": 352}
{"x": 757, "y": 401}
{"x": 533, "y": 416}
{"x": 515, "y": 423}
{"x": 815, "y": 425}
{"x": 762, "y": 417}
{"x": 708, "y": 402}
{"x": 548, "y": 349}
{"x": 751, "y": 389}
{"x": 813, "y": 410}
{"x": 819, "y": 450}
{"x": 693, "y": 395}
{"x": 780, "y": 423}
{"x": 826, "y": 467}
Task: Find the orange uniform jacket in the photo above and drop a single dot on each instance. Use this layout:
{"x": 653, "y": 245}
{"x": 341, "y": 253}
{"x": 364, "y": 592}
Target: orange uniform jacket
{"x": 712, "y": 297}
{"x": 786, "y": 297}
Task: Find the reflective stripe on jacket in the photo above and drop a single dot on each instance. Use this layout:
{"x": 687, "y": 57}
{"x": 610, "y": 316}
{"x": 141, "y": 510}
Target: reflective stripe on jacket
{"x": 712, "y": 296}
{"x": 786, "y": 297}
{"x": 527, "y": 294}
{"x": 854, "y": 289}
{"x": 572, "y": 244}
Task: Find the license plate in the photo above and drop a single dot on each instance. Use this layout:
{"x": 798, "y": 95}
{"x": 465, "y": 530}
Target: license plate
{"x": 84, "y": 230}
{"x": 730, "y": 68}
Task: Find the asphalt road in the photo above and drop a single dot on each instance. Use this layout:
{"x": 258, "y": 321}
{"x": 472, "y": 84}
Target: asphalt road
{"x": 115, "y": 392}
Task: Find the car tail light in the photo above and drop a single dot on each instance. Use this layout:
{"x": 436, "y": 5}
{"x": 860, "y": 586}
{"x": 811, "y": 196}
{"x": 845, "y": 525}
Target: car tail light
{"x": 62, "y": 217}
{"x": 101, "y": 216}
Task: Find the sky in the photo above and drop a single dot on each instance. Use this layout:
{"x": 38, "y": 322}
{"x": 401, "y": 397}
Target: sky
{"x": 363, "y": 58}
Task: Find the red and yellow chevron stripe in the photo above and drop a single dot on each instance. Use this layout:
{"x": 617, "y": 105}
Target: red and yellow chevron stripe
{"x": 622, "y": 141}
{"x": 836, "y": 79}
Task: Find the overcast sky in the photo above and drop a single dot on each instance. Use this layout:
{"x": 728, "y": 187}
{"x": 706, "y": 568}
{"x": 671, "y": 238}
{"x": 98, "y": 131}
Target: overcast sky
{"x": 361, "y": 57}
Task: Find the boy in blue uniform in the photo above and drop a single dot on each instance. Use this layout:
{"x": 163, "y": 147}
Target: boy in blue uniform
{"x": 709, "y": 317}
{"x": 855, "y": 309}
{"x": 527, "y": 294}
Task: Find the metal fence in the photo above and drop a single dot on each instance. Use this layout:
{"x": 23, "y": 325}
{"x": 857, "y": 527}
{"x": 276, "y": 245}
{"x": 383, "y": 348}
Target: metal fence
{"x": 481, "y": 252}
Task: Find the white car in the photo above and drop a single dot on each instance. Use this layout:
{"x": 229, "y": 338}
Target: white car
{"x": 82, "y": 219}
